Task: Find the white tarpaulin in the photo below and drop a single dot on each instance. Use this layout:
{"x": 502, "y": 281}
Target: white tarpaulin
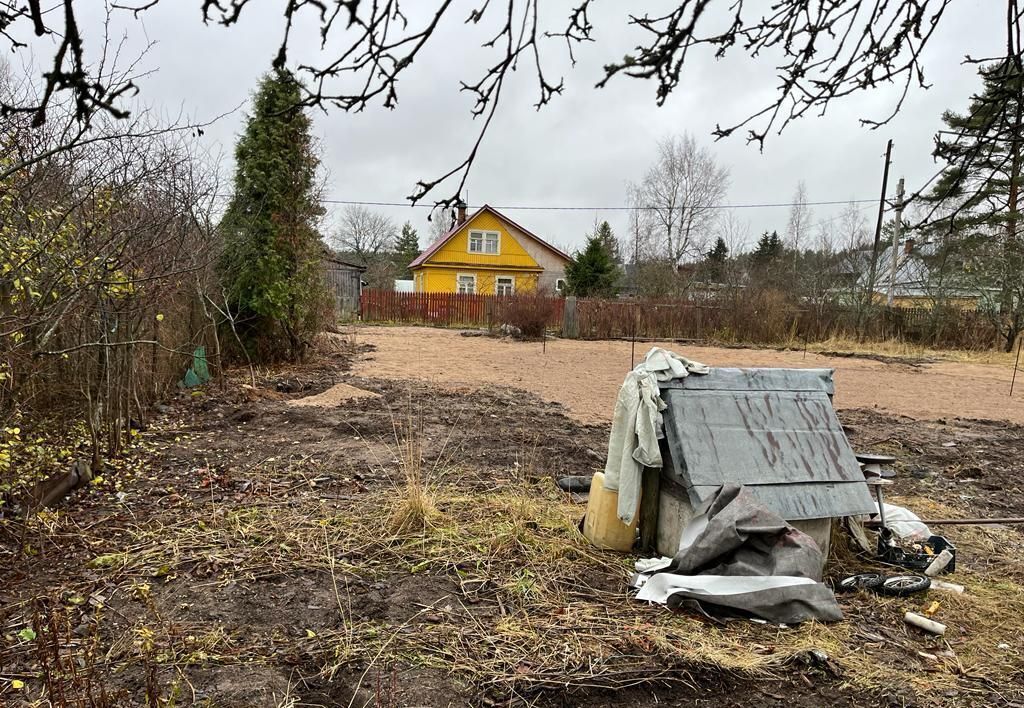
{"x": 636, "y": 424}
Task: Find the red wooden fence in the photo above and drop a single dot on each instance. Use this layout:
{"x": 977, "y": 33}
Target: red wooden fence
{"x": 753, "y": 319}
{"x": 448, "y": 309}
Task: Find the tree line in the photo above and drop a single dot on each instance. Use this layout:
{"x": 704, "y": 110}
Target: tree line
{"x": 959, "y": 243}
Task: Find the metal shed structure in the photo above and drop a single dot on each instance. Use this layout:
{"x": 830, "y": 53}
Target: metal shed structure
{"x": 773, "y": 430}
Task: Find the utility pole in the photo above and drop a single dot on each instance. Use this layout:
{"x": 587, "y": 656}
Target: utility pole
{"x": 878, "y": 224}
{"x": 897, "y": 232}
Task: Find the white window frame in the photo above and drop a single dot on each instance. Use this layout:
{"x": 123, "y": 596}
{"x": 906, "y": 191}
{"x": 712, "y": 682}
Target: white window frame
{"x": 482, "y": 237}
{"x": 511, "y": 283}
{"x": 559, "y": 285}
{"x": 458, "y": 283}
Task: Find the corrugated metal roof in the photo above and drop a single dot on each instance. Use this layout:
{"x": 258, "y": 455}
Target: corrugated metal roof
{"x": 773, "y": 430}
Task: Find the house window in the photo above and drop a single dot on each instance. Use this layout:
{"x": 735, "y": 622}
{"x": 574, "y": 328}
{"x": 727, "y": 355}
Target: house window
{"x": 484, "y": 242}
{"x": 560, "y": 285}
{"x": 466, "y": 284}
{"x": 504, "y": 285}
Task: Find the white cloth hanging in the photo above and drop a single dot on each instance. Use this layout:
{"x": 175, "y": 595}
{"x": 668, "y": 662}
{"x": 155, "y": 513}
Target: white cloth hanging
{"x": 636, "y": 424}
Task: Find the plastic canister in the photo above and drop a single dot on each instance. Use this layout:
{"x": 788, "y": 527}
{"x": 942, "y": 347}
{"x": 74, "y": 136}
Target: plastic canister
{"x": 602, "y": 525}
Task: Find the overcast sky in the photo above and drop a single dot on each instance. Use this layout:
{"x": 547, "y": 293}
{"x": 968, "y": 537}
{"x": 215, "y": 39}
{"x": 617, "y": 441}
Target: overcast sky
{"x": 584, "y": 147}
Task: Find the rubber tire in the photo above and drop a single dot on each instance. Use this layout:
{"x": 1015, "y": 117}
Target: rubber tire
{"x": 904, "y": 585}
{"x": 860, "y": 581}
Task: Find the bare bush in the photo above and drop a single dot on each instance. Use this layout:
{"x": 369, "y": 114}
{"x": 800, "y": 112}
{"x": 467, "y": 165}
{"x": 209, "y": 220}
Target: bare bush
{"x": 529, "y": 314}
{"x": 104, "y": 251}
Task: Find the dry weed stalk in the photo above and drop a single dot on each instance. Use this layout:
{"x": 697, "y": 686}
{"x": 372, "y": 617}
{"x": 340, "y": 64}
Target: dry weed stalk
{"x": 415, "y": 511}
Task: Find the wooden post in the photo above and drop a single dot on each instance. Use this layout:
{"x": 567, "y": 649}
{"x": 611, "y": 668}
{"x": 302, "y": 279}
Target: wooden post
{"x": 570, "y": 325}
{"x": 650, "y": 490}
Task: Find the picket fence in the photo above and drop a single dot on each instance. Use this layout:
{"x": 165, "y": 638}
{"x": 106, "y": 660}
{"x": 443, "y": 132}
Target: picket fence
{"x": 452, "y": 309}
{"x": 753, "y": 320}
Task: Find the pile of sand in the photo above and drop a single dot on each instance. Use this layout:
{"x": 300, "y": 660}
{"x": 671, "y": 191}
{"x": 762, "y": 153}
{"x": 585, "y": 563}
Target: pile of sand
{"x": 333, "y": 396}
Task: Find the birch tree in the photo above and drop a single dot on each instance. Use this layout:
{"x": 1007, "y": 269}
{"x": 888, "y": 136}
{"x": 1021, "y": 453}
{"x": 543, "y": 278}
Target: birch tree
{"x": 681, "y": 193}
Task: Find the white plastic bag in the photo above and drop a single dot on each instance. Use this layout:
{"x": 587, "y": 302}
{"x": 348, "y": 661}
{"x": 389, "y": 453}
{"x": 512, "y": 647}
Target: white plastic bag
{"x": 904, "y": 523}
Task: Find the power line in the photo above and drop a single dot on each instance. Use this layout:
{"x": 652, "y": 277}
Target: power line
{"x": 600, "y": 208}
{"x": 522, "y": 207}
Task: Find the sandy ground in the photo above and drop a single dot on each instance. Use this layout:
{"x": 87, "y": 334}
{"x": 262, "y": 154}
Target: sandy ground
{"x": 585, "y": 376}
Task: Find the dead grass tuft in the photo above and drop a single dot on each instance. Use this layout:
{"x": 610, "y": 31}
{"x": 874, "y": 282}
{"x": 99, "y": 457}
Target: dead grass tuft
{"x": 414, "y": 511}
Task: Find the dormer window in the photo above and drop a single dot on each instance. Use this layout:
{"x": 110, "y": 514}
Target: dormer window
{"x": 484, "y": 242}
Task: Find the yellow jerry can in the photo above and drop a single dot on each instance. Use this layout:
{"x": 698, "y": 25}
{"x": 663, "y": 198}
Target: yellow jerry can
{"x": 602, "y": 525}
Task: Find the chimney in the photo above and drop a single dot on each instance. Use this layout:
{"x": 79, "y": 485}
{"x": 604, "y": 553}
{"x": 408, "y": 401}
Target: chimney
{"x": 461, "y": 219}
{"x": 908, "y": 246}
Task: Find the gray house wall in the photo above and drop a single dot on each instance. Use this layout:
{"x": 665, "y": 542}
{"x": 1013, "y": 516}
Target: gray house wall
{"x": 553, "y": 264}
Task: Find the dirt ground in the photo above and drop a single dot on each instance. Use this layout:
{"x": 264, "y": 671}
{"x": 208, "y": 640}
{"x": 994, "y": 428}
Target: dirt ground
{"x": 585, "y": 376}
{"x": 247, "y": 552}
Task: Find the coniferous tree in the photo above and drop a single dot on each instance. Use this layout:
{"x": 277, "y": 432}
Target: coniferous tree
{"x": 715, "y": 259}
{"x": 593, "y": 272}
{"x": 719, "y": 252}
{"x": 407, "y": 247}
{"x": 611, "y": 244}
{"x": 980, "y": 192}
{"x": 271, "y": 266}
{"x": 769, "y": 249}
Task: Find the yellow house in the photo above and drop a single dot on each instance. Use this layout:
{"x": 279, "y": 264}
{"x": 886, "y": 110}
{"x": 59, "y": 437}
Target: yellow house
{"x": 489, "y": 254}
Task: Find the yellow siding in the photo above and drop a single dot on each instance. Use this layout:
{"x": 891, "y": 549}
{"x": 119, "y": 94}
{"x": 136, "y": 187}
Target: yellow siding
{"x": 510, "y": 253}
{"x": 444, "y": 279}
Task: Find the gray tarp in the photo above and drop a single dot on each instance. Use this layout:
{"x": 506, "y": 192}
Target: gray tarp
{"x": 738, "y": 558}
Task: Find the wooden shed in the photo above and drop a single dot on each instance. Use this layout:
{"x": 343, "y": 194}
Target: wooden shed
{"x": 345, "y": 283}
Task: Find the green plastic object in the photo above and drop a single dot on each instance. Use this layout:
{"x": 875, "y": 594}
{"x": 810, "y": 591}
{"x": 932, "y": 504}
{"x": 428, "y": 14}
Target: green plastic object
{"x": 199, "y": 372}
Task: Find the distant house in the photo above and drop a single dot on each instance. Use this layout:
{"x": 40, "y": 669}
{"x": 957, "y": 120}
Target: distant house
{"x": 917, "y": 281}
{"x": 488, "y": 253}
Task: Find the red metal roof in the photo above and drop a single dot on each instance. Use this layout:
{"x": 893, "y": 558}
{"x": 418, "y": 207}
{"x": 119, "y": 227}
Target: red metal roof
{"x": 448, "y": 235}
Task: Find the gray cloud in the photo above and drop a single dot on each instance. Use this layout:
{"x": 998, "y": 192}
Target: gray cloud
{"x": 583, "y": 148}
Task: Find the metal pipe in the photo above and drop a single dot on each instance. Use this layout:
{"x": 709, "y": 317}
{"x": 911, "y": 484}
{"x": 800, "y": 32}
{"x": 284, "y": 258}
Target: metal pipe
{"x": 962, "y": 522}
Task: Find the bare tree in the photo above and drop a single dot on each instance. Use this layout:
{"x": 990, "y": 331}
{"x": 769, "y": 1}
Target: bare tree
{"x": 641, "y": 229}
{"x": 824, "y": 52}
{"x": 681, "y": 193}
{"x": 826, "y": 237}
{"x": 734, "y": 231}
{"x": 798, "y": 228}
{"x": 366, "y": 234}
{"x": 99, "y": 247}
{"x": 853, "y": 228}
{"x": 440, "y": 221}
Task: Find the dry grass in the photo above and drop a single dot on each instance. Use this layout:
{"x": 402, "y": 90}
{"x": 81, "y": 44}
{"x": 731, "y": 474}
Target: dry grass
{"x": 538, "y": 608}
{"x": 901, "y": 349}
{"x": 534, "y": 607}
{"x": 414, "y": 510}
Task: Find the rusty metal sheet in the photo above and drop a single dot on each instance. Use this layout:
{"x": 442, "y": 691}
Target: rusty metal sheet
{"x": 773, "y": 430}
